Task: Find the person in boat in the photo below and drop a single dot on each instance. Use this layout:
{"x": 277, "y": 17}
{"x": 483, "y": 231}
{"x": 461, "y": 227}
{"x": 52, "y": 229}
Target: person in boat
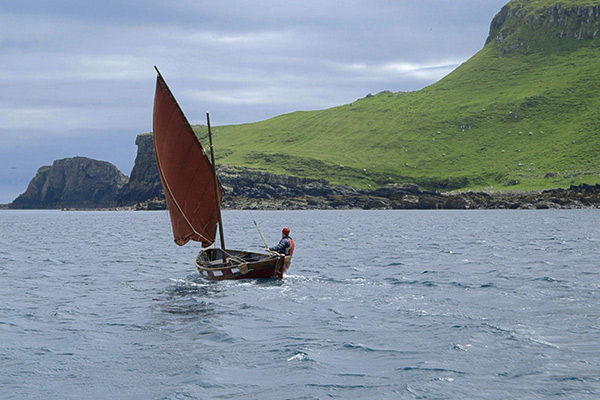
{"x": 285, "y": 245}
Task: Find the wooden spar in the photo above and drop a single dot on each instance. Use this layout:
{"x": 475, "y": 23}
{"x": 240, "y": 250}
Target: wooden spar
{"x": 260, "y": 233}
{"x": 158, "y": 72}
{"x": 218, "y": 203}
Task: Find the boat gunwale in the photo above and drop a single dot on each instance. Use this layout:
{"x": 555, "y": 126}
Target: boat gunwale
{"x": 270, "y": 263}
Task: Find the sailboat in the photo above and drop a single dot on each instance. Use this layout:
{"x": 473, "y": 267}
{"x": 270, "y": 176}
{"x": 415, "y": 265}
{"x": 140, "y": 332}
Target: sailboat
{"x": 194, "y": 195}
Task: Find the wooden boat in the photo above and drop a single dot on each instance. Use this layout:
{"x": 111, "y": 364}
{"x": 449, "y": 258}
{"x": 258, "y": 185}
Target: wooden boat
{"x": 194, "y": 195}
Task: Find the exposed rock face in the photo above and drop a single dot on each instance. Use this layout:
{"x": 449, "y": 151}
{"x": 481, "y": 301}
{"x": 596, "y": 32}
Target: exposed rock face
{"x": 517, "y": 26}
{"x": 73, "y": 182}
{"x": 244, "y": 182}
{"x": 144, "y": 182}
{"x": 410, "y": 197}
{"x": 247, "y": 188}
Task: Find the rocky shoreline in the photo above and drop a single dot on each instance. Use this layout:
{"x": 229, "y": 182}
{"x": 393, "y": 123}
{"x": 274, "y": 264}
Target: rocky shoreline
{"x": 410, "y": 197}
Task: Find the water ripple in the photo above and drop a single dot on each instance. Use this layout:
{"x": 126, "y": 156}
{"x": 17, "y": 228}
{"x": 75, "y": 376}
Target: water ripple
{"x": 449, "y": 305}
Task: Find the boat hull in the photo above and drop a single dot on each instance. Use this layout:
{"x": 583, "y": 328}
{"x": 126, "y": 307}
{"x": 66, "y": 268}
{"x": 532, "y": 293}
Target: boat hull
{"x": 241, "y": 265}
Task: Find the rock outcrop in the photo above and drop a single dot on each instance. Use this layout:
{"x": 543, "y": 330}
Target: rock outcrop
{"x": 73, "y": 182}
{"x": 144, "y": 182}
{"x": 580, "y": 196}
{"x": 521, "y": 25}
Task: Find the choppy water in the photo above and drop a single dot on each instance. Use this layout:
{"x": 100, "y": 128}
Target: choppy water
{"x": 386, "y": 305}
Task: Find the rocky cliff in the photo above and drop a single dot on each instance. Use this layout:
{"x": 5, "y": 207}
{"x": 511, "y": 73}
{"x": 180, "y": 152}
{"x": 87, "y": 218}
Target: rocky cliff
{"x": 144, "y": 182}
{"x": 73, "y": 182}
{"x": 528, "y": 25}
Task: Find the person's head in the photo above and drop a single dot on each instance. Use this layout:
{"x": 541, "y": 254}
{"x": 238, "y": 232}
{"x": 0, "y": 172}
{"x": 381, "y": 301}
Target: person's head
{"x": 285, "y": 232}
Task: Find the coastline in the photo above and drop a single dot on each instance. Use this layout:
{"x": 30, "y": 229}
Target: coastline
{"x": 407, "y": 197}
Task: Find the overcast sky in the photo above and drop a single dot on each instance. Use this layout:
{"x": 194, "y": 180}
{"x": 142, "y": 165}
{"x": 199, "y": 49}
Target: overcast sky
{"x": 77, "y": 76}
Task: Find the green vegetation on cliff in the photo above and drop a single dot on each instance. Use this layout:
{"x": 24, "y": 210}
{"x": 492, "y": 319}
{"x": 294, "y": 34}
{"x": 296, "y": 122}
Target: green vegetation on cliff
{"x": 523, "y": 113}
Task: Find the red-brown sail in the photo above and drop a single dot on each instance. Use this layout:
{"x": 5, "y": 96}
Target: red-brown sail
{"x": 185, "y": 172}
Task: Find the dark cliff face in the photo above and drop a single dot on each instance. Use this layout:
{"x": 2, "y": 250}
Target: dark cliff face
{"x": 519, "y": 26}
{"x": 73, "y": 182}
{"x": 144, "y": 182}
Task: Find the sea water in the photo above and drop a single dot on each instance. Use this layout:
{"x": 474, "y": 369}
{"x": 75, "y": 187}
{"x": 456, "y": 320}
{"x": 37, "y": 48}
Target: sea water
{"x": 376, "y": 305}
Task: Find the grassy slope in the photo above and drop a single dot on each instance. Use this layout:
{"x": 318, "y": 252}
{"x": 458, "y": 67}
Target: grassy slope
{"x": 522, "y": 120}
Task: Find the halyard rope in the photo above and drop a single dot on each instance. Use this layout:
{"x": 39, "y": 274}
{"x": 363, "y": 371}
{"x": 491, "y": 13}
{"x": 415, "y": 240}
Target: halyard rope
{"x": 162, "y": 173}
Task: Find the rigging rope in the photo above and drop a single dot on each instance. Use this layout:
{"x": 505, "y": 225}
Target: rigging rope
{"x": 162, "y": 174}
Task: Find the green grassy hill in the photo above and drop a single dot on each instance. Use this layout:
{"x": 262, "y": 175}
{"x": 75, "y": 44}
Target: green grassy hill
{"x": 523, "y": 113}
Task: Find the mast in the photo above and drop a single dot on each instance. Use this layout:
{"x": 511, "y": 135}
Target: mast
{"x": 218, "y": 203}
